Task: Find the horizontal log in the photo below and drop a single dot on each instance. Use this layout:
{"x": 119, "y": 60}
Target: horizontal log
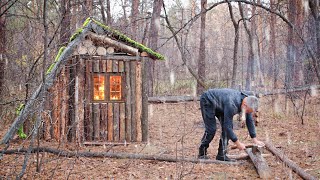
{"x": 301, "y": 172}
{"x": 70, "y": 154}
{"x": 292, "y": 90}
{"x": 110, "y": 42}
{"x": 96, "y": 143}
{"x": 87, "y": 43}
{"x": 110, "y": 50}
{"x": 101, "y": 51}
{"x": 172, "y": 99}
{"x": 259, "y": 162}
{"x": 111, "y": 57}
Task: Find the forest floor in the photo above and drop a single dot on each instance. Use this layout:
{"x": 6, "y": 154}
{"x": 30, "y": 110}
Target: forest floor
{"x": 176, "y": 130}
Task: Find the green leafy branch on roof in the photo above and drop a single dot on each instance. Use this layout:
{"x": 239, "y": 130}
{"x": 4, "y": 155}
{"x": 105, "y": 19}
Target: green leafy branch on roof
{"x": 56, "y": 59}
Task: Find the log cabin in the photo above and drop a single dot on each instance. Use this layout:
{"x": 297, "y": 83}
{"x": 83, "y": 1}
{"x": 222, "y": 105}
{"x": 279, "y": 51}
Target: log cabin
{"x": 94, "y": 90}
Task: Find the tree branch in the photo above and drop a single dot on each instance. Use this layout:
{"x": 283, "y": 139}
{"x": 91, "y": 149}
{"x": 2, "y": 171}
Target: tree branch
{"x": 71, "y": 154}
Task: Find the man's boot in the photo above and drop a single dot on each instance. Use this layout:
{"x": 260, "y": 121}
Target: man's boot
{"x": 205, "y": 141}
{"x": 202, "y": 153}
{"x": 222, "y": 152}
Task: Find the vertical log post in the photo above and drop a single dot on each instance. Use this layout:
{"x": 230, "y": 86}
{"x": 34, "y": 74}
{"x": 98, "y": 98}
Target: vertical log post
{"x": 96, "y": 108}
{"x": 116, "y": 118}
{"x": 80, "y": 110}
{"x": 133, "y": 101}
{"x": 144, "y": 116}
{"x": 110, "y": 122}
{"x": 128, "y": 101}
{"x": 122, "y": 123}
{"x": 138, "y": 100}
{"x": 88, "y": 120}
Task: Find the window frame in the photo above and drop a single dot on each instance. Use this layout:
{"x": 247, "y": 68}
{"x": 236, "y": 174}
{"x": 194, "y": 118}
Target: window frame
{"x": 107, "y": 87}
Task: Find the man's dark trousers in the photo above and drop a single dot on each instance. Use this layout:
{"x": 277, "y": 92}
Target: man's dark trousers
{"x": 209, "y": 113}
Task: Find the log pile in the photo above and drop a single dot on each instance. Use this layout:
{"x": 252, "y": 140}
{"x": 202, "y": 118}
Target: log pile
{"x": 103, "y": 45}
{"x": 87, "y": 47}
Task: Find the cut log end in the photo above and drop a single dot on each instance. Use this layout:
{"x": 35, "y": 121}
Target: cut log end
{"x": 101, "y": 51}
{"x": 110, "y": 50}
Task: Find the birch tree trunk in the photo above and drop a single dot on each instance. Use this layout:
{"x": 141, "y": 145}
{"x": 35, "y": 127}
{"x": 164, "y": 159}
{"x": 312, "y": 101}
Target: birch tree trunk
{"x": 202, "y": 48}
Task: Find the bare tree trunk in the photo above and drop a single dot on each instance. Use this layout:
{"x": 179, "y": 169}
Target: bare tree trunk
{"x": 202, "y": 49}
{"x": 109, "y": 17}
{"x": 298, "y": 75}
{"x": 273, "y": 54}
{"x": 102, "y": 10}
{"x": 87, "y": 8}
{"x": 235, "y": 49}
{"x": 250, "y": 67}
{"x": 153, "y": 42}
{"x": 65, "y": 32}
{"x": 2, "y": 49}
{"x": 134, "y": 18}
{"x": 291, "y": 49}
{"x": 315, "y": 10}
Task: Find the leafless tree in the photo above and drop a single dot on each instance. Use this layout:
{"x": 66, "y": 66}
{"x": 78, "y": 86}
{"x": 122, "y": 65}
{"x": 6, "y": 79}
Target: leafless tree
{"x": 202, "y": 48}
{"x": 153, "y": 42}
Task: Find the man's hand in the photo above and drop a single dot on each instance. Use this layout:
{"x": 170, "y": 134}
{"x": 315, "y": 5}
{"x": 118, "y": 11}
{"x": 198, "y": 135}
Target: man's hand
{"x": 257, "y": 142}
{"x": 240, "y": 145}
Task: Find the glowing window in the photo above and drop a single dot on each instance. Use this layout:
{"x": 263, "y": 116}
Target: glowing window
{"x": 98, "y": 87}
{"x": 115, "y": 87}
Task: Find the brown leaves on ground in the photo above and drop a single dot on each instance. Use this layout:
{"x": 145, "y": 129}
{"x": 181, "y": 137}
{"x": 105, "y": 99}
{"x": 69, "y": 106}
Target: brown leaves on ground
{"x": 176, "y": 130}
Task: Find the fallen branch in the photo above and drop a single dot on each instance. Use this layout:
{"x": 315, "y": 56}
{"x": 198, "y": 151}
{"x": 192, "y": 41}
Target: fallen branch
{"x": 301, "y": 172}
{"x": 172, "y": 99}
{"x": 70, "y": 154}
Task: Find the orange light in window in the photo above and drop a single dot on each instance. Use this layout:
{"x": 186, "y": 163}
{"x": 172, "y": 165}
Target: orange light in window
{"x": 98, "y": 87}
{"x": 115, "y": 88}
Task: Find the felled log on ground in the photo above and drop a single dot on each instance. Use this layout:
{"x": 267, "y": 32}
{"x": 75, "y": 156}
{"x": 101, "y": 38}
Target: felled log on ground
{"x": 259, "y": 162}
{"x": 172, "y": 99}
{"x": 301, "y": 172}
{"x": 70, "y": 154}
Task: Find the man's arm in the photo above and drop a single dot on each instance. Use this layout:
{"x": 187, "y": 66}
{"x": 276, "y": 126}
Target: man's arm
{"x": 250, "y": 125}
{"x": 252, "y": 130}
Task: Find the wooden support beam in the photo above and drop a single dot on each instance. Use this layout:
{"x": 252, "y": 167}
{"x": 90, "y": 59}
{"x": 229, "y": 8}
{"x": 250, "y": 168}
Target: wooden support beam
{"x": 301, "y": 172}
{"x": 259, "y": 162}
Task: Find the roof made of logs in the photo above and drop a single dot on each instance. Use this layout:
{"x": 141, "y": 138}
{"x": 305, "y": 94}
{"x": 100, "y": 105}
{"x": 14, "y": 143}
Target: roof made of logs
{"x": 103, "y": 31}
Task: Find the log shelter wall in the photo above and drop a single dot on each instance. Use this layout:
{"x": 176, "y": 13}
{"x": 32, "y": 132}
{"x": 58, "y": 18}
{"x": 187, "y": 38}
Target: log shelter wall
{"x": 73, "y": 114}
